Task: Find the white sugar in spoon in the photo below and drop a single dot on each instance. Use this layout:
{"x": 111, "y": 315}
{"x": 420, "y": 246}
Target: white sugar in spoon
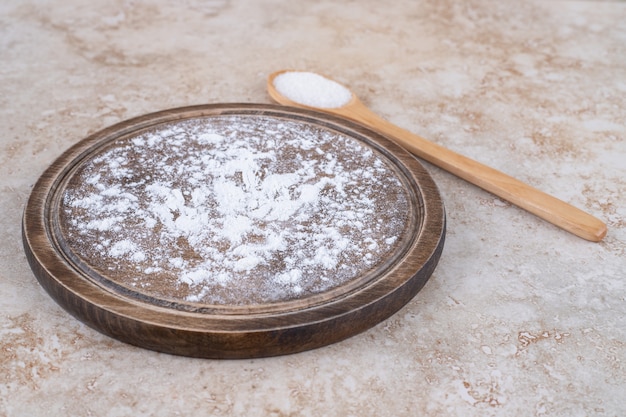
{"x": 313, "y": 91}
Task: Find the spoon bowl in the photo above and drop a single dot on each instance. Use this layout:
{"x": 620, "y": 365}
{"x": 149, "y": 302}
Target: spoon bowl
{"x": 502, "y": 185}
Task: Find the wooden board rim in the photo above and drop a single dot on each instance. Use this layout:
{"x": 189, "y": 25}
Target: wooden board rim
{"x": 209, "y": 334}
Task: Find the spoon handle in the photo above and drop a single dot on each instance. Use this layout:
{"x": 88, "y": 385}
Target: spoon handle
{"x": 508, "y": 188}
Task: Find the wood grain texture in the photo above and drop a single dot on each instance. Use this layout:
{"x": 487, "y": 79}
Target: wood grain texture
{"x": 224, "y": 331}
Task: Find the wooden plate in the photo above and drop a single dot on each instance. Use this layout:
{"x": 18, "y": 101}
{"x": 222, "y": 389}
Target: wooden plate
{"x": 234, "y": 230}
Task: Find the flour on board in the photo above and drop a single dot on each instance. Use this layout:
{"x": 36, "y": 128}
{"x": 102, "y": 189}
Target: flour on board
{"x": 234, "y": 210}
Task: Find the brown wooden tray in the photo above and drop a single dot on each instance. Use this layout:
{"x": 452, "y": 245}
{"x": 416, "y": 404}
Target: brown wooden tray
{"x": 234, "y": 230}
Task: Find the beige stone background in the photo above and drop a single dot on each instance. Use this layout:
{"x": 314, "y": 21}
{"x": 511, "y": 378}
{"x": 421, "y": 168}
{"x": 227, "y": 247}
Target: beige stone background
{"x": 519, "y": 319}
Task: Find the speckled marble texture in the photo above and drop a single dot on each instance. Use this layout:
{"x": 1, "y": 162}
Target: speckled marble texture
{"x": 519, "y": 319}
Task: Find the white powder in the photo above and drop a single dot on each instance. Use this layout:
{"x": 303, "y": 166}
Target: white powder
{"x": 312, "y": 89}
{"x": 234, "y": 210}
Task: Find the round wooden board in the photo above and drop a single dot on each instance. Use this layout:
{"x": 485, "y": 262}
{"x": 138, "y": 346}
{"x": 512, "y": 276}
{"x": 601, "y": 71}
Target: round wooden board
{"x": 190, "y": 325}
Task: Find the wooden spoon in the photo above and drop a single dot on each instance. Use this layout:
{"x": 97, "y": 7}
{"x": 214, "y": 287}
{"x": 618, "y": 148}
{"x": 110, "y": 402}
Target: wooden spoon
{"x": 508, "y": 188}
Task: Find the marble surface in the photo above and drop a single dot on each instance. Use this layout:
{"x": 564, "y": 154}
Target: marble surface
{"x": 519, "y": 319}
